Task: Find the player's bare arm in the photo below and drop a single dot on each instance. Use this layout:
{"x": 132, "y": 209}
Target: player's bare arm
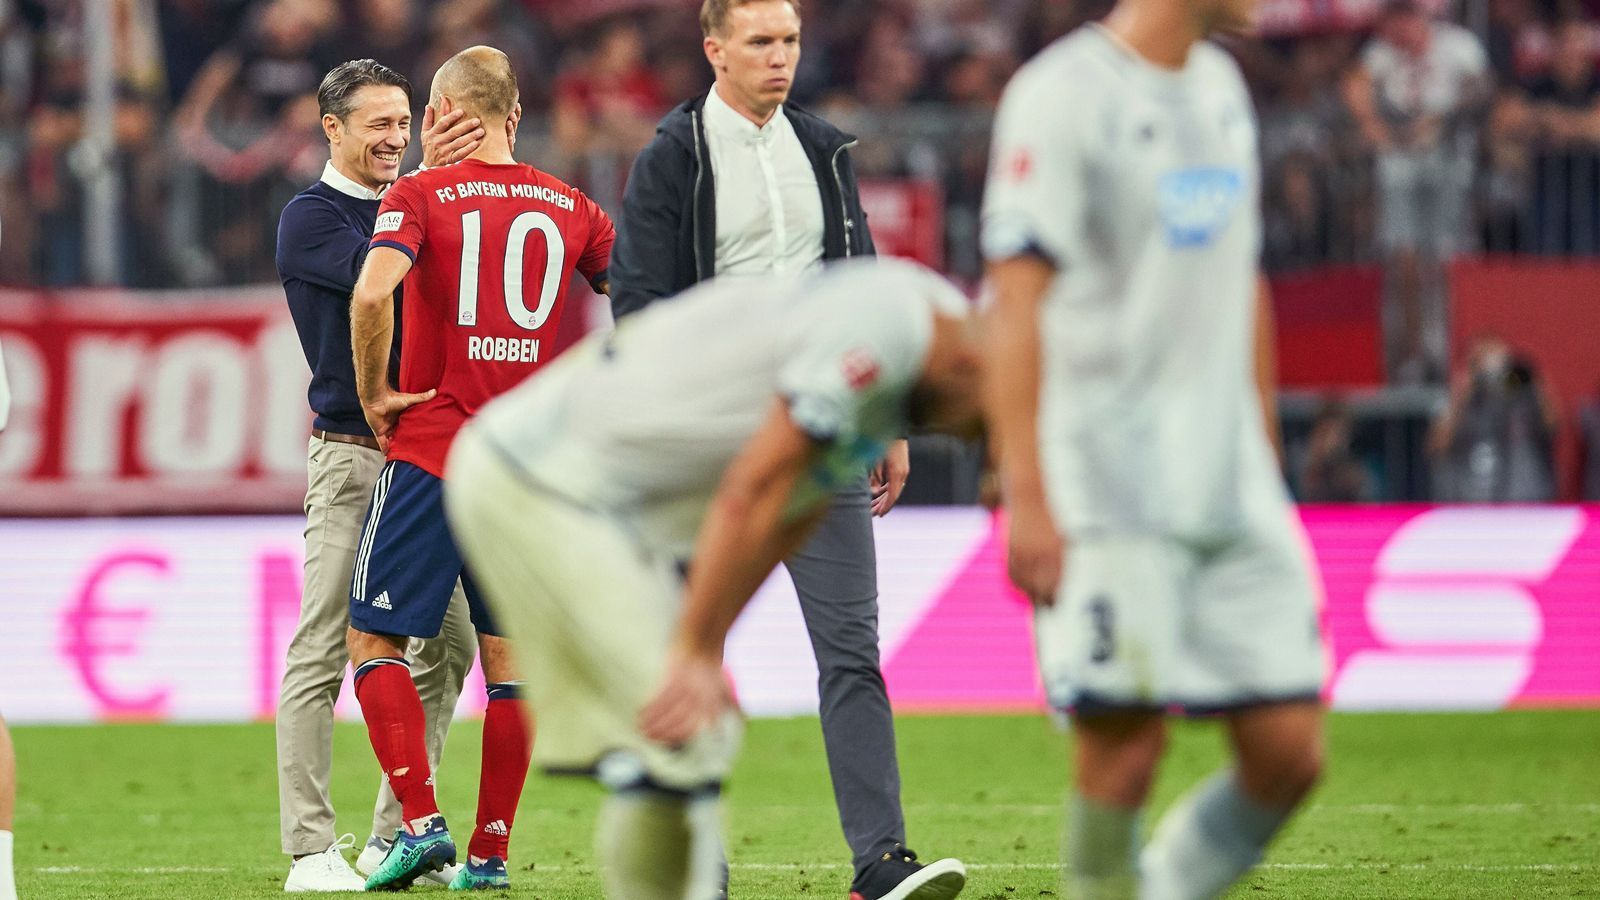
{"x": 1011, "y": 405}
{"x": 1266, "y": 367}
{"x": 449, "y": 138}
{"x": 743, "y": 538}
{"x": 372, "y": 339}
{"x": 888, "y": 477}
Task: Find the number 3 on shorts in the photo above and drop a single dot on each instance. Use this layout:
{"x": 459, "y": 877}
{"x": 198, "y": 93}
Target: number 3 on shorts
{"x": 1101, "y": 620}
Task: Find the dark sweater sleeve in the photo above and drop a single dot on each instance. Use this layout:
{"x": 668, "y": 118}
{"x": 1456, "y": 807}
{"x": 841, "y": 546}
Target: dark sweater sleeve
{"x": 852, "y": 188}
{"x": 318, "y": 246}
{"x": 644, "y": 260}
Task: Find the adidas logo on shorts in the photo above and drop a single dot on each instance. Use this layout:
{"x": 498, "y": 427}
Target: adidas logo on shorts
{"x": 497, "y": 827}
{"x": 382, "y": 602}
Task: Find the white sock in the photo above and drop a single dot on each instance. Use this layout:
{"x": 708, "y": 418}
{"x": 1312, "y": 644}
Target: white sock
{"x": 708, "y": 863}
{"x": 644, "y": 842}
{"x": 1207, "y": 841}
{"x": 8, "y": 881}
{"x": 1099, "y": 850}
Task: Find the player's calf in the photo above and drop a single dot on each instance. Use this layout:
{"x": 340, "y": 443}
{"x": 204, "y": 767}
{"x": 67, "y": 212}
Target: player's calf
{"x": 1116, "y": 754}
{"x": 1222, "y": 828}
{"x": 397, "y": 728}
{"x": 1280, "y": 751}
{"x": 1116, "y": 757}
{"x": 507, "y": 752}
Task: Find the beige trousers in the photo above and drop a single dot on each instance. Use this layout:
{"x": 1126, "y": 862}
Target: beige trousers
{"x": 340, "y": 478}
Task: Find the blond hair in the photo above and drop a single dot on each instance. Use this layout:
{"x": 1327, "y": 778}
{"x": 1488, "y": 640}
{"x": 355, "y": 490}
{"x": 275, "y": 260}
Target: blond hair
{"x": 714, "y": 13}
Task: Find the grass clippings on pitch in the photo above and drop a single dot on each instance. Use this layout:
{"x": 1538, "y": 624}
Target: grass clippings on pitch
{"x": 1414, "y": 806}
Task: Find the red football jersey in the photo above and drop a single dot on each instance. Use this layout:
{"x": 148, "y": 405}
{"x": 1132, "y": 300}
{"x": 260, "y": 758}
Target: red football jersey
{"x": 493, "y": 248}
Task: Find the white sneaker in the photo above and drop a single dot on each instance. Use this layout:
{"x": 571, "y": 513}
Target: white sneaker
{"x": 325, "y": 872}
{"x": 377, "y": 848}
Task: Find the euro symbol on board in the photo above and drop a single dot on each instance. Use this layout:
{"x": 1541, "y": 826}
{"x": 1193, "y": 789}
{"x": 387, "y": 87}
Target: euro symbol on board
{"x": 93, "y": 634}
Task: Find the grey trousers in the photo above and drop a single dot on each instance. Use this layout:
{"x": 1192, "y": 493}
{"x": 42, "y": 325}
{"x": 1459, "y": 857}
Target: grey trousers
{"x": 340, "y": 478}
{"x": 836, "y": 577}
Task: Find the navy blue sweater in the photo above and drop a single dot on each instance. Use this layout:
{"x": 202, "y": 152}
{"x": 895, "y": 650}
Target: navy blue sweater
{"x": 322, "y": 241}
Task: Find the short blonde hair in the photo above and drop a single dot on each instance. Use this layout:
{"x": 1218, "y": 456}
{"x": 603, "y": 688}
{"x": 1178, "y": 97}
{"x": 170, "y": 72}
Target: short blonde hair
{"x": 714, "y": 13}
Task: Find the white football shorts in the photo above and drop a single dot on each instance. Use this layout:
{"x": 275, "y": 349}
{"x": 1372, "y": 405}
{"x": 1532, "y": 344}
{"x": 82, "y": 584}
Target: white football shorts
{"x": 1149, "y": 622}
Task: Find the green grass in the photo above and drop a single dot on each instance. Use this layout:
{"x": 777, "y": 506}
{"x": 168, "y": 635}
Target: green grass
{"x": 1435, "y": 806}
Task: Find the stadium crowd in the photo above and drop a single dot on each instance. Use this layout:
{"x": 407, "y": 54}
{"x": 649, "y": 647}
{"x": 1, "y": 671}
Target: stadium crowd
{"x": 212, "y": 100}
{"x": 1400, "y": 144}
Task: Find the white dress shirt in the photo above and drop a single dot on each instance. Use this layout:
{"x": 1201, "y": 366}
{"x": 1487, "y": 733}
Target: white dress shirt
{"x": 769, "y": 209}
{"x": 337, "y": 180}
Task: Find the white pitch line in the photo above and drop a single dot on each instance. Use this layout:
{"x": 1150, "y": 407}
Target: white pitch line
{"x": 973, "y": 867}
{"x": 143, "y": 870}
{"x": 1470, "y": 808}
{"x": 1350, "y": 867}
{"x": 1046, "y": 809}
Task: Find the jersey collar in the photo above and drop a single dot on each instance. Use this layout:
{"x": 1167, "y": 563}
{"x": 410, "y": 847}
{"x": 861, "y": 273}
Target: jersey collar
{"x": 336, "y": 179}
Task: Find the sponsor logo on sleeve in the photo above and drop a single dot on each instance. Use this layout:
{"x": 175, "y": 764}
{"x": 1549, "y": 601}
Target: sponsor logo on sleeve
{"x": 860, "y": 369}
{"x": 1019, "y": 167}
{"x": 389, "y": 221}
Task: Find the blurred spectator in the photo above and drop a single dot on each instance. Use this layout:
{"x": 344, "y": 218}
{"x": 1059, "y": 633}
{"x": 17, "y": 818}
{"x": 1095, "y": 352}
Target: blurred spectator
{"x": 1299, "y": 152}
{"x": 1304, "y": 115}
{"x": 1566, "y": 108}
{"x": 1494, "y": 442}
{"x": 1518, "y": 41}
{"x": 1297, "y": 232}
{"x": 1330, "y": 471}
{"x": 458, "y": 24}
{"x": 238, "y": 123}
{"x": 391, "y": 32}
{"x": 889, "y": 68}
{"x": 1415, "y": 95}
{"x": 192, "y": 31}
{"x": 607, "y": 105}
{"x": 916, "y": 80}
{"x": 1505, "y": 187}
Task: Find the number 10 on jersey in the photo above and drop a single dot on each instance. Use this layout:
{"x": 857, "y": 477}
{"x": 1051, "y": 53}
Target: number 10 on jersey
{"x": 516, "y": 239}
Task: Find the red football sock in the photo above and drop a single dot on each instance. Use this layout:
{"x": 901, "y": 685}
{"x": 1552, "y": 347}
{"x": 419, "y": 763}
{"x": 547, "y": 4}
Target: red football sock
{"x": 507, "y": 750}
{"x": 395, "y": 723}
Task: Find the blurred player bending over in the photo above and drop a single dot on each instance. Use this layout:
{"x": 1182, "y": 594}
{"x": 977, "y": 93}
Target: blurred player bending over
{"x": 485, "y": 247}
{"x": 651, "y": 453}
{"x": 1132, "y": 409}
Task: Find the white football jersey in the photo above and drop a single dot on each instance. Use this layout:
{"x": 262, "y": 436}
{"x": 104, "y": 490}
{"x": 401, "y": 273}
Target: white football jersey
{"x": 642, "y": 422}
{"x": 1142, "y": 186}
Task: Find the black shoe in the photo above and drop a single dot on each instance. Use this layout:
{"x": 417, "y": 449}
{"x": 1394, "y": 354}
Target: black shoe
{"x": 898, "y": 876}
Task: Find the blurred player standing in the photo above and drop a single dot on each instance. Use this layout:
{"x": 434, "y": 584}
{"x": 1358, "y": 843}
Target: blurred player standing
{"x": 485, "y": 247}
{"x": 676, "y": 483}
{"x": 739, "y": 183}
{"x": 1132, "y": 408}
{"x": 322, "y": 240}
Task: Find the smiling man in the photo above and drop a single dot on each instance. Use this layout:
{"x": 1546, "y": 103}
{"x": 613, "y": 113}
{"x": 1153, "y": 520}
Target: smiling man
{"x": 740, "y": 184}
{"x": 322, "y": 242}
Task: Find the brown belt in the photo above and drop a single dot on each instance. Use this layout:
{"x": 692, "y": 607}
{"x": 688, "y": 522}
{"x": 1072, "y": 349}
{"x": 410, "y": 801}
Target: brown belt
{"x": 360, "y": 440}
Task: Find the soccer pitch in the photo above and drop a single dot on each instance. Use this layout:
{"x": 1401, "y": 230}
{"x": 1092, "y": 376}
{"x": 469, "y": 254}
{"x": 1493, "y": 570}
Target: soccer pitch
{"x": 1436, "y": 806}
